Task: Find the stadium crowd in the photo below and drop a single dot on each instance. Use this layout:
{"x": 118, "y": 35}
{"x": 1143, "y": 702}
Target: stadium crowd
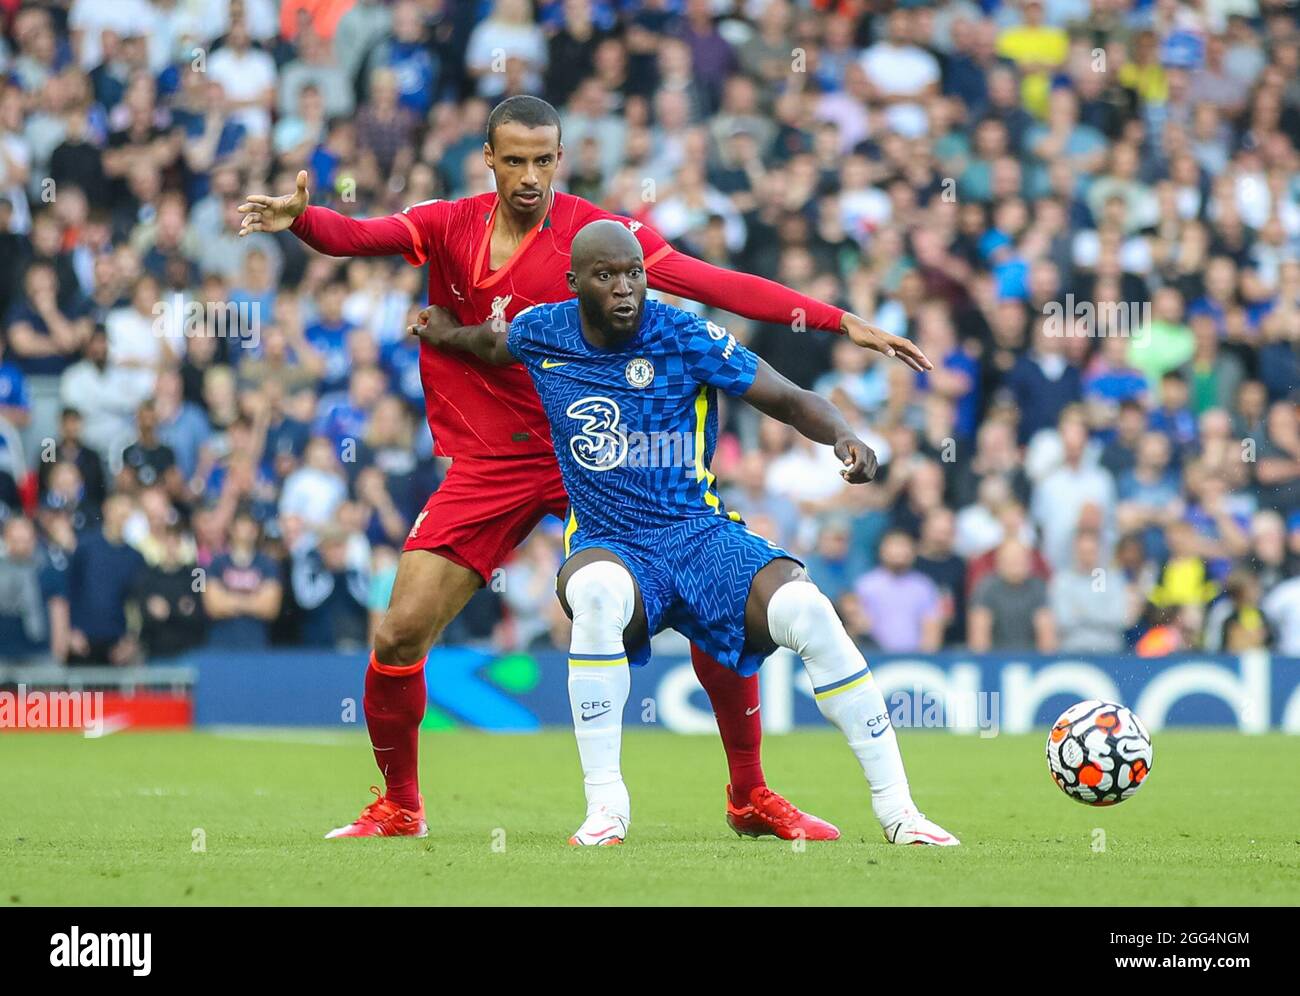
{"x": 1086, "y": 213}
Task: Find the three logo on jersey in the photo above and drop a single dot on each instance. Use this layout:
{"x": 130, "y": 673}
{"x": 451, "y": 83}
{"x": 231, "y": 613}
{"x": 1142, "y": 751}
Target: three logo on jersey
{"x": 601, "y": 443}
{"x": 598, "y": 444}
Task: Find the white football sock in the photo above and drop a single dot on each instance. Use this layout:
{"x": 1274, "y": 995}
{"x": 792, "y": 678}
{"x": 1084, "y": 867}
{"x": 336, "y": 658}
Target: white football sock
{"x": 601, "y": 597}
{"x": 801, "y": 618}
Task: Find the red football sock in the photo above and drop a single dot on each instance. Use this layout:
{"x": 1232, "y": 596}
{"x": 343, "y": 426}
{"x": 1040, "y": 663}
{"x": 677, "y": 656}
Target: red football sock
{"x": 735, "y": 706}
{"x": 394, "y": 706}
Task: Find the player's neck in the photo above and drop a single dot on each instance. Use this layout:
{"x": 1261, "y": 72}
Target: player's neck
{"x": 515, "y": 225}
{"x": 599, "y": 338}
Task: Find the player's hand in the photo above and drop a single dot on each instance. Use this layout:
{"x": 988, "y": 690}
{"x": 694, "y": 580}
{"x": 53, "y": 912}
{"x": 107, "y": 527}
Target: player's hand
{"x": 263, "y": 213}
{"x": 870, "y": 337}
{"x": 858, "y": 458}
{"x": 433, "y": 325}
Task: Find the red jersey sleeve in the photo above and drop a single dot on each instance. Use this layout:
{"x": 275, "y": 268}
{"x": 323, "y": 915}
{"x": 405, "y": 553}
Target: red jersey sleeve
{"x": 743, "y": 294}
{"x": 408, "y": 234}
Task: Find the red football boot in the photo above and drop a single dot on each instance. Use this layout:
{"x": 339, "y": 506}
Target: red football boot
{"x": 770, "y": 815}
{"x": 383, "y": 818}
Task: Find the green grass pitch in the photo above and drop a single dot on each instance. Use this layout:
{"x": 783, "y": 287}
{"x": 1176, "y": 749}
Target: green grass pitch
{"x": 237, "y": 817}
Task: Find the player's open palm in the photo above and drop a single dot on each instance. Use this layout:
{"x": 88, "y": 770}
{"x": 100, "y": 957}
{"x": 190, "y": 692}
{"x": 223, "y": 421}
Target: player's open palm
{"x": 264, "y": 213}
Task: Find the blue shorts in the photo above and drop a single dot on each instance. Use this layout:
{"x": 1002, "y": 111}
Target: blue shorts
{"x": 694, "y": 577}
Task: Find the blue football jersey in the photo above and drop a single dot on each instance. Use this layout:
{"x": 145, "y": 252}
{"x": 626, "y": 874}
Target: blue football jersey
{"x": 634, "y": 427}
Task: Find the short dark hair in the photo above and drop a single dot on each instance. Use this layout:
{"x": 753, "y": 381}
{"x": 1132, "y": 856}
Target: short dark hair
{"x": 531, "y": 112}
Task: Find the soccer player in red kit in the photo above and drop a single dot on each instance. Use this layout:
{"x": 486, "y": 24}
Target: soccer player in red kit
{"x": 489, "y": 257}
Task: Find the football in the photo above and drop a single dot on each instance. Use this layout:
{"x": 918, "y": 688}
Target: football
{"x": 1099, "y": 753}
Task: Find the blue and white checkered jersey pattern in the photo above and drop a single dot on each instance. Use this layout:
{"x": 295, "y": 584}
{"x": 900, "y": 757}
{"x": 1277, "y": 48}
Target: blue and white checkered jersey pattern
{"x": 634, "y": 427}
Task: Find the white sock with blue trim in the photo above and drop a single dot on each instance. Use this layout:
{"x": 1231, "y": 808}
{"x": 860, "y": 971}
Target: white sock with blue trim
{"x": 601, "y": 597}
{"x": 801, "y": 618}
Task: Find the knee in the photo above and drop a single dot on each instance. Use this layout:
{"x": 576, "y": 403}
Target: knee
{"x": 403, "y": 638}
{"x": 799, "y": 614}
{"x": 601, "y": 593}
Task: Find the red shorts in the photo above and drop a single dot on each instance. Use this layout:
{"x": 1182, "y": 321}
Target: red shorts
{"x": 487, "y": 507}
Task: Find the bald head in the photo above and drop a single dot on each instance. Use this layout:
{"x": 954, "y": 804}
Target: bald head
{"x": 603, "y": 240}
{"x": 607, "y": 273}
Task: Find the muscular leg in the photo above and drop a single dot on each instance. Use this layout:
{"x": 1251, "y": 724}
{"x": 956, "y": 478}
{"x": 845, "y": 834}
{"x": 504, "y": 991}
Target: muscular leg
{"x": 429, "y": 592}
{"x": 786, "y": 610}
{"x": 600, "y": 595}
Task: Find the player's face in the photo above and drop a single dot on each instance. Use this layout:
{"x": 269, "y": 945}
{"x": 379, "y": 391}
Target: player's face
{"x": 611, "y": 290}
{"x": 524, "y": 161}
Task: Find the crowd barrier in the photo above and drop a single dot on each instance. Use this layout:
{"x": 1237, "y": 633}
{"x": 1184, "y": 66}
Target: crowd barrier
{"x": 963, "y": 693}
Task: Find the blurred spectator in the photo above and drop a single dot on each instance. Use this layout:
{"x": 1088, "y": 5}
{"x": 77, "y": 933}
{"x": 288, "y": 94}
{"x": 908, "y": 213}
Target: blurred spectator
{"x": 897, "y": 606}
{"x": 101, "y": 576}
{"x": 1075, "y": 491}
{"x": 15, "y": 405}
{"x": 1235, "y": 623}
{"x": 527, "y": 587}
{"x": 1184, "y": 579}
{"x": 901, "y": 74}
{"x": 1282, "y": 609}
{"x": 507, "y": 36}
{"x": 169, "y": 601}
{"x": 1149, "y": 494}
{"x": 1013, "y": 523}
{"x": 33, "y": 598}
{"x": 247, "y": 75}
{"x": 182, "y": 426}
{"x": 45, "y": 340}
{"x": 106, "y": 395}
{"x": 1278, "y": 468}
{"x": 1043, "y": 382}
{"x": 331, "y": 588}
{"x": 937, "y": 560}
{"x": 1089, "y": 601}
{"x": 831, "y": 564}
{"x": 1172, "y": 416}
{"x": 148, "y": 461}
{"x": 314, "y": 491}
{"x": 242, "y": 594}
{"x": 1009, "y": 609}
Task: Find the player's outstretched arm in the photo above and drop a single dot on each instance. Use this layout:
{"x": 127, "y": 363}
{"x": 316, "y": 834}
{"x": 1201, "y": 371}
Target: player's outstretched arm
{"x": 814, "y": 418}
{"x": 763, "y": 300}
{"x": 487, "y": 341}
{"x": 328, "y": 231}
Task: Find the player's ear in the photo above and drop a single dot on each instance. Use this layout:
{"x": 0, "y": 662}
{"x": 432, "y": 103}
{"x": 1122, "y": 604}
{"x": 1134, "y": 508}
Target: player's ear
{"x": 487, "y": 154}
{"x": 559, "y": 153}
{"x": 572, "y": 279}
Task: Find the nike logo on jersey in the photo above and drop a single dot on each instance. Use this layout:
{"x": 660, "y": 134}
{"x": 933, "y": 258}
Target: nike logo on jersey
{"x": 750, "y": 712}
{"x": 551, "y": 364}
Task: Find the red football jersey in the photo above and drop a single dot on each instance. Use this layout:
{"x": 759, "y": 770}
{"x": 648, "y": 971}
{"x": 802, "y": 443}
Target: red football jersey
{"x": 475, "y": 409}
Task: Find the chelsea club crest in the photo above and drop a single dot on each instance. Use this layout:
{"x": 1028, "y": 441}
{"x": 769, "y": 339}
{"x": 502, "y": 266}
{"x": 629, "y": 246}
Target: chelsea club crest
{"x": 640, "y": 372}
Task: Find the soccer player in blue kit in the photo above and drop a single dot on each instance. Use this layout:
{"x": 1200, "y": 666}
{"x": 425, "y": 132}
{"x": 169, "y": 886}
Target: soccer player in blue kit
{"x": 629, "y": 390}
